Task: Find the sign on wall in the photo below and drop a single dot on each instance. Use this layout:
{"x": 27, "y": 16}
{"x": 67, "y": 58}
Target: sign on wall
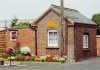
{"x": 51, "y": 24}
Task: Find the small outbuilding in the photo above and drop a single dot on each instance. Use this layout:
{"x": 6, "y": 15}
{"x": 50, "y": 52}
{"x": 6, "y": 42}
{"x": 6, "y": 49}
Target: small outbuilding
{"x": 79, "y": 31}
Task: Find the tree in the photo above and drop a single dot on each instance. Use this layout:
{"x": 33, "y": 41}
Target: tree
{"x": 14, "y": 21}
{"x": 96, "y": 19}
{"x": 21, "y": 24}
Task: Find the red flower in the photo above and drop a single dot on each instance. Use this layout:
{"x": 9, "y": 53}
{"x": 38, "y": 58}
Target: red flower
{"x": 27, "y": 58}
{"x": 49, "y": 58}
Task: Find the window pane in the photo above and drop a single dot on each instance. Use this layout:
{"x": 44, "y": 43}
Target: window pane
{"x": 52, "y": 38}
{"x": 13, "y": 35}
{"x": 85, "y": 41}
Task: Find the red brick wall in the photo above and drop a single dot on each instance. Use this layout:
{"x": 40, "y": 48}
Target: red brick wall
{"x": 8, "y": 42}
{"x": 71, "y": 45}
{"x": 75, "y": 43}
{"x": 25, "y": 37}
{"x": 42, "y": 42}
{"x": 79, "y": 51}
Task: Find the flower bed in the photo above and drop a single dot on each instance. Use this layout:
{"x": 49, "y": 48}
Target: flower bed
{"x": 47, "y": 58}
{"x": 24, "y": 54}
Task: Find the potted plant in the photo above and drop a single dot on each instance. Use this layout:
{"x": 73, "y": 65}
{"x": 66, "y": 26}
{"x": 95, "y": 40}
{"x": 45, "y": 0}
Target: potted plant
{"x": 1, "y": 61}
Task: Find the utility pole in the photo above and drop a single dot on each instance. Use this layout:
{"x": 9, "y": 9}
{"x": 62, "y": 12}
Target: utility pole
{"x": 61, "y": 37}
{"x": 5, "y": 27}
{"x": 5, "y": 24}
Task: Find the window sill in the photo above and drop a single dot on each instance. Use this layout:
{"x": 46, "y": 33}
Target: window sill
{"x": 86, "y": 49}
{"x": 52, "y": 47}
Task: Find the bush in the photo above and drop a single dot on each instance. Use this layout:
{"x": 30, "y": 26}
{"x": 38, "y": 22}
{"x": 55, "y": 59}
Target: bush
{"x": 32, "y": 58}
{"x": 17, "y": 50}
{"x": 13, "y": 54}
{"x": 43, "y": 58}
{"x": 37, "y": 59}
{"x": 19, "y": 58}
{"x": 24, "y": 58}
{"x": 25, "y": 51}
{"x": 27, "y": 58}
{"x": 61, "y": 59}
{"x": 5, "y": 55}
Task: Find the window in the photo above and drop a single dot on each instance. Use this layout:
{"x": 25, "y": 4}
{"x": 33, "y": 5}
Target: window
{"x": 85, "y": 41}
{"x": 52, "y": 38}
{"x": 13, "y": 35}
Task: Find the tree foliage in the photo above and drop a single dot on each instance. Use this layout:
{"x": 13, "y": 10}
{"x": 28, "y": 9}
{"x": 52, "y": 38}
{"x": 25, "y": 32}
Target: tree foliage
{"x": 21, "y": 24}
{"x": 96, "y": 19}
{"x": 14, "y": 22}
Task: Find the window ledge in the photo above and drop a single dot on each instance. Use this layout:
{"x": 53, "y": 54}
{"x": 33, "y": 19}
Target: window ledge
{"x": 52, "y": 47}
{"x": 87, "y": 49}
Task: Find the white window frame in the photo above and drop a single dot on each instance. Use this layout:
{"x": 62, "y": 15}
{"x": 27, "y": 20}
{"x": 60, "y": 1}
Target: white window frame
{"x": 85, "y": 41}
{"x": 51, "y": 43}
{"x": 11, "y": 36}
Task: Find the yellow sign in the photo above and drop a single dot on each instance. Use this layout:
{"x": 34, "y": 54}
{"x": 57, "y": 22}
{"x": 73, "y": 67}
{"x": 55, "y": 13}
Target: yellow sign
{"x": 51, "y": 24}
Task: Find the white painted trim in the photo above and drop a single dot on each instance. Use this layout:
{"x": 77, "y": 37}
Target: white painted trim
{"x": 86, "y": 41}
{"x": 98, "y": 36}
{"x": 52, "y": 45}
{"x": 11, "y": 36}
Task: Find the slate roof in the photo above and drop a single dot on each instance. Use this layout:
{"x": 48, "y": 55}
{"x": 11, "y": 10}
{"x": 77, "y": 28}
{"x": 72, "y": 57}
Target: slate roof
{"x": 74, "y": 15}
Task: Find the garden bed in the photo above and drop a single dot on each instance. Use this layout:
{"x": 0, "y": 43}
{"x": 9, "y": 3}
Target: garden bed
{"x": 24, "y": 54}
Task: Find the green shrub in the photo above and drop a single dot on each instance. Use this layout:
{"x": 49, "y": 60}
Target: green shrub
{"x": 13, "y": 54}
{"x": 5, "y": 55}
{"x": 33, "y": 59}
{"x": 20, "y": 58}
{"x": 17, "y": 50}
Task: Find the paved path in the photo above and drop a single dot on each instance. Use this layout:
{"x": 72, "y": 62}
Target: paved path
{"x": 89, "y": 64}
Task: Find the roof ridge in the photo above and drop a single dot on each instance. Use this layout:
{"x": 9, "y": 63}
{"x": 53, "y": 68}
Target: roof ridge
{"x": 55, "y": 6}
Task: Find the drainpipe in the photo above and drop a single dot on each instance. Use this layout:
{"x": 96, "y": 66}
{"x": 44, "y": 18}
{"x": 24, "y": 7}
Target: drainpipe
{"x": 5, "y": 35}
{"x": 34, "y": 27}
{"x": 36, "y": 42}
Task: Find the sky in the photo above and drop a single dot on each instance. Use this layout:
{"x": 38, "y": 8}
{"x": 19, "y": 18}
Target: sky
{"x": 31, "y": 9}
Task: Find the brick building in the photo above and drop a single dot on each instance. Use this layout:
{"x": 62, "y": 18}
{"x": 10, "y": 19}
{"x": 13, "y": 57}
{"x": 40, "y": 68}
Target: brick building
{"x": 17, "y": 37}
{"x": 80, "y": 34}
{"x": 43, "y": 36}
